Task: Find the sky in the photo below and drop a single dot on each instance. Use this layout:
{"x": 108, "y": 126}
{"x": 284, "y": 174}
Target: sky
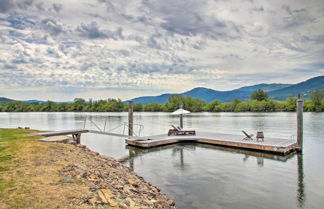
{"x": 62, "y": 49}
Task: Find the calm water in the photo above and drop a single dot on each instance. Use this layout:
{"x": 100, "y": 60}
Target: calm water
{"x": 203, "y": 176}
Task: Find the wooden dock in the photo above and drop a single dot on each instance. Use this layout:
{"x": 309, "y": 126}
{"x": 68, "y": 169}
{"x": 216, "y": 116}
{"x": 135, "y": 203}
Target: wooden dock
{"x": 65, "y": 132}
{"x": 76, "y": 134}
{"x": 273, "y": 145}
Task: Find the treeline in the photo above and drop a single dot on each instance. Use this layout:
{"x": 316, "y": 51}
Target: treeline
{"x": 259, "y": 103}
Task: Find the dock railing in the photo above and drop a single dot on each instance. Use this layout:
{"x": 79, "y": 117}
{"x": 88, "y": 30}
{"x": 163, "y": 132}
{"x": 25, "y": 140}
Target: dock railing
{"x": 123, "y": 125}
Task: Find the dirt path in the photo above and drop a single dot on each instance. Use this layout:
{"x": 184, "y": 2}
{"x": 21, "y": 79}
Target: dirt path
{"x": 55, "y": 175}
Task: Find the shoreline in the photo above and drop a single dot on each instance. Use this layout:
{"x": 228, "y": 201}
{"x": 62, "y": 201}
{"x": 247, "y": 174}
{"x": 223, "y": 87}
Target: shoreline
{"x": 58, "y": 175}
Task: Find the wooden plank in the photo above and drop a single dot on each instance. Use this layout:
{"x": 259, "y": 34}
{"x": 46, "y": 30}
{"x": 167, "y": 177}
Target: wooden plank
{"x": 65, "y": 132}
{"x": 275, "y": 145}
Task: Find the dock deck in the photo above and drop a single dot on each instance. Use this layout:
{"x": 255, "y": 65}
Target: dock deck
{"x": 274, "y": 145}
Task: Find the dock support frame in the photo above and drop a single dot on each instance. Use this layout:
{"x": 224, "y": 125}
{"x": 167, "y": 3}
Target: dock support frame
{"x": 77, "y": 138}
{"x": 300, "y": 106}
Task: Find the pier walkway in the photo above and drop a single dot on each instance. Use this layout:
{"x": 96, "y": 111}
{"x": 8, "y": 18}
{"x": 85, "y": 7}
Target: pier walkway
{"x": 275, "y": 145}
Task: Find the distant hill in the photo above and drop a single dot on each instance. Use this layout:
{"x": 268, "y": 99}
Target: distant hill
{"x": 265, "y": 87}
{"x": 34, "y": 101}
{"x": 4, "y": 99}
{"x": 150, "y": 99}
{"x": 304, "y": 88}
{"x": 276, "y": 91}
{"x": 209, "y": 95}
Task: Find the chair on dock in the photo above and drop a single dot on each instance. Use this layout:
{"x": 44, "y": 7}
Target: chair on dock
{"x": 176, "y": 131}
{"x": 247, "y": 136}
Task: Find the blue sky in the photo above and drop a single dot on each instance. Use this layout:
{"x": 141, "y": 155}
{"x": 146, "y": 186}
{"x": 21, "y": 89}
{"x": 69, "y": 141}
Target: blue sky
{"x": 59, "y": 49}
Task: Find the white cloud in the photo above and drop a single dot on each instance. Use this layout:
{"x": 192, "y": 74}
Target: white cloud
{"x": 132, "y": 48}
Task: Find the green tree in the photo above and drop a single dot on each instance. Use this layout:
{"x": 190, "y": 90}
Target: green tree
{"x": 79, "y": 105}
{"x": 212, "y": 106}
{"x": 259, "y": 95}
{"x": 317, "y": 97}
{"x": 234, "y": 103}
{"x": 173, "y": 103}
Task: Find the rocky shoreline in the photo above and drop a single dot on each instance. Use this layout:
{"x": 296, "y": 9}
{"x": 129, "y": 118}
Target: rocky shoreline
{"x": 109, "y": 182}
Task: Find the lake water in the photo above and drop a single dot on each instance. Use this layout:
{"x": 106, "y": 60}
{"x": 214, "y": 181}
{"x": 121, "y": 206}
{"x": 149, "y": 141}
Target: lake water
{"x": 204, "y": 176}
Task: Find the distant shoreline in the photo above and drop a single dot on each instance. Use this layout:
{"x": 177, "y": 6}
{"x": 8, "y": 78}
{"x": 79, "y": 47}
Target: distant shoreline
{"x": 261, "y": 104}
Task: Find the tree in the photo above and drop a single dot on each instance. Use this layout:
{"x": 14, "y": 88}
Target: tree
{"x": 234, "y": 103}
{"x": 316, "y": 97}
{"x": 259, "y": 95}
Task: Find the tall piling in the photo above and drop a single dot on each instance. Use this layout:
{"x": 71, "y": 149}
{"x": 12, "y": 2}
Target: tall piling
{"x": 130, "y": 118}
{"x": 300, "y": 105}
{"x": 181, "y": 116}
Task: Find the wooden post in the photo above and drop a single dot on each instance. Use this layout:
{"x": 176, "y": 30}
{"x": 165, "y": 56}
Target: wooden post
{"x": 130, "y": 118}
{"x": 77, "y": 138}
{"x": 300, "y": 123}
{"x": 181, "y": 116}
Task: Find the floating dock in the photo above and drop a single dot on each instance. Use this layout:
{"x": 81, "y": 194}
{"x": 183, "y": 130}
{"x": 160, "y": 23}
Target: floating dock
{"x": 274, "y": 145}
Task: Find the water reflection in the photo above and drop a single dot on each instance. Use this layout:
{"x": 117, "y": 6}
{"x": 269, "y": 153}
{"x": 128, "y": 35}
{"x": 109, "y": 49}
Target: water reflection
{"x": 179, "y": 150}
{"x": 178, "y": 153}
{"x": 300, "y": 191}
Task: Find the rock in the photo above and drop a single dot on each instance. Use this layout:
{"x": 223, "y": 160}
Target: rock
{"x": 102, "y": 197}
{"x": 108, "y": 193}
{"x": 92, "y": 200}
{"x": 130, "y": 202}
{"x": 122, "y": 206}
{"x": 127, "y": 188}
{"x": 67, "y": 180}
{"x": 112, "y": 203}
{"x": 81, "y": 146}
{"x": 91, "y": 177}
{"x": 130, "y": 181}
{"x": 171, "y": 202}
{"x": 118, "y": 186}
{"x": 147, "y": 202}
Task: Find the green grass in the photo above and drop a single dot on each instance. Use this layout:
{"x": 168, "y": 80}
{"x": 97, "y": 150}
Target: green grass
{"x": 10, "y": 142}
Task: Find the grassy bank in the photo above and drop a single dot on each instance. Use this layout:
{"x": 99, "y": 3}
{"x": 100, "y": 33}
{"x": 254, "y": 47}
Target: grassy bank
{"x": 11, "y": 143}
{"x": 27, "y": 175}
{"x": 35, "y": 174}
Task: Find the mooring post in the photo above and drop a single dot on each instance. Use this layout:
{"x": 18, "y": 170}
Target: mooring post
{"x": 300, "y": 104}
{"x": 130, "y": 118}
{"x": 181, "y": 116}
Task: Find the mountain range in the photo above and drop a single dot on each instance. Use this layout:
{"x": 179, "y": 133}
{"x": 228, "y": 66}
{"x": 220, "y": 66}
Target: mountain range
{"x": 275, "y": 90}
{"x": 4, "y": 99}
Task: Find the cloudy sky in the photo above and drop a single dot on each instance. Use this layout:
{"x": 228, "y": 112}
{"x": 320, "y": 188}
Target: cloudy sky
{"x": 62, "y": 49}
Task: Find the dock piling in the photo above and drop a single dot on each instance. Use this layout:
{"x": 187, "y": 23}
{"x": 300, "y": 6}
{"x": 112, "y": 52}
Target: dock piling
{"x": 300, "y": 104}
{"x": 130, "y": 118}
{"x": 181, "y": 116}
